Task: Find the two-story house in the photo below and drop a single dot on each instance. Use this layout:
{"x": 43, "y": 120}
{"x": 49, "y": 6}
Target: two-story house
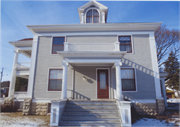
{"x": 88, "y": 70}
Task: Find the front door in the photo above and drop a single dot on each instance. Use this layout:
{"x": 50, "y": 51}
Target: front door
{"x": 102, "y": 84}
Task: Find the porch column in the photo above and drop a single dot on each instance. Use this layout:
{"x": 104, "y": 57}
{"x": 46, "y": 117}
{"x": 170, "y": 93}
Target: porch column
{"x": 118, "y": 81}
{"x": 64, "y": 81}
{"x": 13, "y": 75}
{"x": 155, "y": 65}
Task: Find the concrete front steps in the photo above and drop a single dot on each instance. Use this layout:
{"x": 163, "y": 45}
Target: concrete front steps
{"x": 90, "y": 113}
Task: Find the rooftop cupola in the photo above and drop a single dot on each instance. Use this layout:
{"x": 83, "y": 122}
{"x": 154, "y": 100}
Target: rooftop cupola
{"x": 93, "y": 12}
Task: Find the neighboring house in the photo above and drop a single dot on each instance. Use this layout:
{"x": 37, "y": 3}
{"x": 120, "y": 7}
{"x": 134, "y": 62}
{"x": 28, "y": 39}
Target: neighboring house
{"x": 170, "y": 94}
{"x": 101, "y": 62}
{"x": 4, "y": 88}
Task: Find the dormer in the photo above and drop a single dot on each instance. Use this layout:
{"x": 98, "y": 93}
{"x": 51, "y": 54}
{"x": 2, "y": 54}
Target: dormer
{"x": 93, "y": 12}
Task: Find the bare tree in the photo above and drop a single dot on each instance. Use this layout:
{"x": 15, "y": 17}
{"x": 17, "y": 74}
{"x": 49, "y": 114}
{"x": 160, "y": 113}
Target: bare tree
{"x": 166, "y": 41}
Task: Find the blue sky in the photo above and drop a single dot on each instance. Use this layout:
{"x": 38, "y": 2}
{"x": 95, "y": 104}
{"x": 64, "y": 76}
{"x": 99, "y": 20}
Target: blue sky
{"x": 15, "y": 15}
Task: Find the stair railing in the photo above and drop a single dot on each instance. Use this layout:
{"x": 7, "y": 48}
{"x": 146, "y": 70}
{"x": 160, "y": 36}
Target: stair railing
{"x": 57, "y": 108}
{"x": 124, "y": 112}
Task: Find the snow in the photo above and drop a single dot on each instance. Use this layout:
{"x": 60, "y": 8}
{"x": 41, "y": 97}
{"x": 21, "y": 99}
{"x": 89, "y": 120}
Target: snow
{"x": 173, "y": 100}
{"x": 152, "y": 122}
{"x": 17, "y": 120}
{"x": 9, "y": 120}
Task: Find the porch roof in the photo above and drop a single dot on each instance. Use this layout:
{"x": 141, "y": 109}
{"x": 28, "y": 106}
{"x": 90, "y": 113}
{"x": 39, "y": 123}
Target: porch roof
{"x": 92, "y": 54}
{"x": 23, "y": 45}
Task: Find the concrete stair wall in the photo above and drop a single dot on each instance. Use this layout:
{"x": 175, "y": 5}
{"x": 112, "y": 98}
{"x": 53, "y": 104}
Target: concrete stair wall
{"x": 90, "y": 113}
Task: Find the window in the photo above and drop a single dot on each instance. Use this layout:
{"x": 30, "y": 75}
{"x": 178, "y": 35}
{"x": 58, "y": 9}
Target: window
{"x": 92, "y": 16}
{"x": 128, "y": 79}
{"x": 125, "y": 43}
{"x": 58, "y": 44}
{"x": 55, "y": 80}
{"x": 21, "y": 84}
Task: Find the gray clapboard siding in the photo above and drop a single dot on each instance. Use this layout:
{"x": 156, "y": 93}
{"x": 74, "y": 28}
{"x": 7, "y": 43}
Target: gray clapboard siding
{"x": 86, "y": 89}
{"x": 91, "y": 43}
{"x": 141, "y": 60}
{"x": 44, "y": 62}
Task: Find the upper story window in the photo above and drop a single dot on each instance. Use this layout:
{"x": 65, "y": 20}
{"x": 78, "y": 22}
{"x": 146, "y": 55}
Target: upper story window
{"x": 125, "y": 43}
{"x": 58, "y": 44}
{"x": 92, "y": 16}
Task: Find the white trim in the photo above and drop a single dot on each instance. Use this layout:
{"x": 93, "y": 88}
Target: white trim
{"x": 28, "y": 48}
{"x": 92, "y": 60}
{"x": 48, "y": 78}
{"x": 134, "y": 79}
{"x": 42, "y": 100}
{"x": 95, "y": 27}
{"x": 143, "y": 101}
{"x": 94, "y": 9}
{"x": 32, "y": 68}
{"x": 155, "y": 66}
{"x": 92, "y": 43}
{"x": 108, "y": 80}
{"x": 132, "y": 42}
{"x": 22, "y": 99}
{"x": 52, "y": 36}
{"x": 73, "y": 73}
{"x": 93, "y": 33}
{"x": 92, "y": 54}
{"x": 13, "y": 74}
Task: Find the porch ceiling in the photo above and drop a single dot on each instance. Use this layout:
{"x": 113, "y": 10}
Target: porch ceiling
{"x": 26, "y": 53}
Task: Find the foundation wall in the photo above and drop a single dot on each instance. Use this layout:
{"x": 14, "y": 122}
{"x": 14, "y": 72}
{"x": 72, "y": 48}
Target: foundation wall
{"x": 39, "y": 108}
{"x": 146, "y": 108}
{"x": 160, "y": 106}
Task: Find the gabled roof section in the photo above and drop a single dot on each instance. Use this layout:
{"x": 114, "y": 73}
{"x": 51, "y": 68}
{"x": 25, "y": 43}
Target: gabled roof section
{"x": 92, "y": 3}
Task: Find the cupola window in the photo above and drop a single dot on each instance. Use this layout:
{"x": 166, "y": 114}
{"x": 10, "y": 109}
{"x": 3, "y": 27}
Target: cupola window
{"x": 92, "y": 16}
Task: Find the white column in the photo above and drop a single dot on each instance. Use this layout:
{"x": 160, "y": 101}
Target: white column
{"x": 13, "y": 75}
{"x": 103, "y": 17}
{"x": 155, "y": 66}
{"x": 82, "y": 18}
{"x": 164, "y": 91}
{"x": 64, "y": 81}
{"x": 118, "y": 81}
{"x": 32, "y": 67}
{"x": 116, "y": 46}
{"x": 66, "y": 46}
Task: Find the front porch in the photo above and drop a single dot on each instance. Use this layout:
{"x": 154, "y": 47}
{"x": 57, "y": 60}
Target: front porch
{"x": 96, "y": 86}
{"x": 94, "y": 73}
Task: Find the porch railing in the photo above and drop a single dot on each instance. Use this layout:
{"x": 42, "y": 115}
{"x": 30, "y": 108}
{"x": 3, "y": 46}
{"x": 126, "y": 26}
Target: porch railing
{"x": 91, "y": 46}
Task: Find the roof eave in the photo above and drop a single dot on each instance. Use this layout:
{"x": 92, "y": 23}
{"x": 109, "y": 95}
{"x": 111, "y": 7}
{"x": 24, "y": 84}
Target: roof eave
{"x": 94, "y": 27}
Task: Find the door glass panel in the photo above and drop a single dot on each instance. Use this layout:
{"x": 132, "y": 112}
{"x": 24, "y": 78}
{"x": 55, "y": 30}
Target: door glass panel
{"x": 102, "y": 79}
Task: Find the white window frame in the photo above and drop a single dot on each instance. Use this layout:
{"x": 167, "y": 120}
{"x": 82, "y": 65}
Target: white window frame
{"x": 52, "y": 43}
{"x": 61, "y": 68}
{"x": 90, "y": 9}
{"x": 135, "y": 78}
{"x": 132, "y": 42}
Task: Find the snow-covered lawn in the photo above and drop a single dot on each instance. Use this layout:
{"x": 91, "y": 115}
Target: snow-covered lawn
{"x": 17, "y": 120}
{"x": 155, "y": 122}
{"x": 173, "y": 100}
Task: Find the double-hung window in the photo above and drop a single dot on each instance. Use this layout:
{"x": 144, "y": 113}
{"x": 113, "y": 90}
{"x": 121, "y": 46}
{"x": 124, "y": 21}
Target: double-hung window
{"x": 128, "y": 79}
{"x": 58, "y": 44}
{"x": 92, "y": 16}
{"x": 125, "y": 43}
{"x": 55, "y": 80}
